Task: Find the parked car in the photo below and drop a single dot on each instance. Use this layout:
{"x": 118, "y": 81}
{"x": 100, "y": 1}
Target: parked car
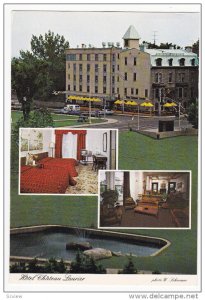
{"x": 106, "y": 111}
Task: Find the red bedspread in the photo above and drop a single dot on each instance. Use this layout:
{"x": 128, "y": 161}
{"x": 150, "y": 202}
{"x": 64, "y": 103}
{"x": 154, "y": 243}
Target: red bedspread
{"x": 45, "y": 180}
{"x": 67, "y": 163}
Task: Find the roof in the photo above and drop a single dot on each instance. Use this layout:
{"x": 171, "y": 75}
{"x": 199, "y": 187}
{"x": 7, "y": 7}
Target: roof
{"x": 131, "y": 34}
{"x": 169, "y": 52}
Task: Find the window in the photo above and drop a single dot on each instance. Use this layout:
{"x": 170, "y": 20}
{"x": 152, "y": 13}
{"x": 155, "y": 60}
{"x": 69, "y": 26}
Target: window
{"x": 135, "y": 61}
{"x": 96, "y": 57}
{"x": 157, "y": 93}
{"x": 158, "y": 77}
{"x": 132, "y": 91}
{"x": 118, "y": 56}
{"x": 80, "y": 57}
{"x": 113, "y": 79}
{"x": 96, "y": 78}
{"x": 104, "y": 89}
{"x": 170, "y": 77}
{"x": 96, "y": 89}
{"x": 113, "y": 57}
{"x": 80, "y": 88}
{"x": 180, "y": 92}
{"x": 104, "y": 79}
{"x": 182, "y": 62}
{"x": 88, "y": 57}
{"x": 118, "y": 90}
{"x": 96, "y": 67}
{"x": 125, "y": 76}
{"x": 193, "y": 62}
{"x": 118, "y": 67}
{"x": 181, "y": 77}
{"x": 159, "y": 62}
{"x": 125, "y": 61}
{"x": 185, "y": 92}
{"x": 74, "y": 77}
{"x": 74, "y": 67}
{"x": 170, "y": 61}
{"x": 80, "y": 67}
{"x": 68, "y": 66}
{"x": 80, "y": 78}
{"x": 88, "y": 78}
{"x": 74, "y": 87}
{"x": 71, "y": 57}
{"x": 126, "y": 43}
{"x": 118, "y": 78}
{"x": 113, "y": 90}
{"x": 88, "y": 89}
{"x": 125, "y": 91}
{"x": 69, "y": 87}
{"x": 113, "y": 69}
{"x": 68, "y": 76}
{"x": 135, "y": 76}
{"x": 88, "y": 67}
{"x": 136, "y": 91}
{"x": 104, "y": 57}
{"x": 104, "y": 68}
{"x": 146, "y": 92}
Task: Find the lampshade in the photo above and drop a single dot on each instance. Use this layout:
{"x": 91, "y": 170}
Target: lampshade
{"x": 52, "y": 145}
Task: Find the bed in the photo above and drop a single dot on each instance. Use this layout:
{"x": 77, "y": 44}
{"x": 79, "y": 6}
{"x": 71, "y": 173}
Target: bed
{"x": 68, "y": 164}
{"x": 45, "y": 180}
{"x": 49, "y": 175}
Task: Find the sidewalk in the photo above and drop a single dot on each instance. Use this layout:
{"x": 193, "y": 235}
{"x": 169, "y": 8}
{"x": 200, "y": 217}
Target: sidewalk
{"x": 86, "y": 124}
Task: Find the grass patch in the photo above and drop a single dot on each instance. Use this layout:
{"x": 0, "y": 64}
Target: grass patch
{"x": 136, "y": 152}
{"x": 59, "y": 120}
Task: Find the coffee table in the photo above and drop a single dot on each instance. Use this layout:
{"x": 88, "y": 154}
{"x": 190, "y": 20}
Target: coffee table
{"x": 147, "y": 208}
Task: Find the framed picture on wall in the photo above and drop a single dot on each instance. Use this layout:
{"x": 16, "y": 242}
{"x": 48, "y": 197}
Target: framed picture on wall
{"x": 105, "y": 142}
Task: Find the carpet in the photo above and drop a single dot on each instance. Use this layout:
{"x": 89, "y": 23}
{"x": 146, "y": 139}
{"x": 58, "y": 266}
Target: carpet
{"x": 87, "y": 181}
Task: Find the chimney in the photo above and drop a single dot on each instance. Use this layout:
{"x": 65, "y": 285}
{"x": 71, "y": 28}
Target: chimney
{"x": 188, "y": 49}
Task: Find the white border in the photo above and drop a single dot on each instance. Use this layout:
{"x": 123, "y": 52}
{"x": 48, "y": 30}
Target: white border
{"x": 153, "y": 171}
{"x": 194, "y": 281}
{"x": 65, "y": 128}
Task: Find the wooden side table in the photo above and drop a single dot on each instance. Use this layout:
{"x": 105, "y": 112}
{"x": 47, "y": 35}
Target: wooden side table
{"x": 99, "y": 162}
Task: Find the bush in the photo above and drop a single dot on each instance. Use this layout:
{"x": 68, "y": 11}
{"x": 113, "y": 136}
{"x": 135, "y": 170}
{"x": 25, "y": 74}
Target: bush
{"x": 84, "y": 264}
{"x": 129, "y": 268}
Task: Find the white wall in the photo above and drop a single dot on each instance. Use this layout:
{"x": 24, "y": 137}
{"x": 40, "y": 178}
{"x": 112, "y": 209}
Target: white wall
{"x": 94, "y": 143}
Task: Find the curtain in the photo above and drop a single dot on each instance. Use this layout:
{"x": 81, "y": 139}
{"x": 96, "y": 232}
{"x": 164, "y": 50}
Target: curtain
{"x": 69, "y": 146}
{"x": 81, "y": 141}
{"x": 126, "y": 190}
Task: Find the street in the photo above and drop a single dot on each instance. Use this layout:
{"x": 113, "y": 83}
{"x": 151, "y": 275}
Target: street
{"x": 123, "y": 123}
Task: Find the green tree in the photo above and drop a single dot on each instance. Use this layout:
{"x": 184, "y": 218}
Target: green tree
{"x": 84, "y": 264}
{"x": 129, "y": 268}
{"x": 195, "y": 47}
{"x": 36, "y": 74}
{"x": 193, "y": 114}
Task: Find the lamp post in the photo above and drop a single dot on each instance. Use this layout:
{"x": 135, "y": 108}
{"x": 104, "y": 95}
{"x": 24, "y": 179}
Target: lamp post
{"x": 179, "y": 115}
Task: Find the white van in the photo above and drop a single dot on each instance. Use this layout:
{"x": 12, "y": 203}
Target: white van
{"x": 72, "y": 107}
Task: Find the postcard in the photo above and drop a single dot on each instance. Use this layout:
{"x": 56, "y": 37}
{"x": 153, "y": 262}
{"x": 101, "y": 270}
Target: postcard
{"x": 102, "y": 127}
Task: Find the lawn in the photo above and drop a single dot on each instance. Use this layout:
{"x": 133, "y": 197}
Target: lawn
{"x": 136, "y": 152}
{"x": 59, "y": 120}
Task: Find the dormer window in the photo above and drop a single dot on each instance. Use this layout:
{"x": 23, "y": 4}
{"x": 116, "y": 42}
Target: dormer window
{"x": 159, "y": 62}
{"x": 182, "y": 62}
{"x": 170, "y": 62}
{"x": 193, "y": 62}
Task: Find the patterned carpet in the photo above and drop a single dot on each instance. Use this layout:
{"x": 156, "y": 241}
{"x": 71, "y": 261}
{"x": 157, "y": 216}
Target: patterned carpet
{"x": 87, "y": 181}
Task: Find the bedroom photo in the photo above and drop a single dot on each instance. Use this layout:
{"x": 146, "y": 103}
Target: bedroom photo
{"x": 64, "y": 161}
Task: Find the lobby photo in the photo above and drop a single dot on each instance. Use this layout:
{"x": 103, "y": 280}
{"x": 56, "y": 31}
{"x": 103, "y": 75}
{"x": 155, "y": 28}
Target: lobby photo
{"x": 147, "y": 199}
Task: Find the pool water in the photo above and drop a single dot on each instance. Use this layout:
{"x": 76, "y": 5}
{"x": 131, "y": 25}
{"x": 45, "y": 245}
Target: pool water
{"x": 53, "y": 244}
